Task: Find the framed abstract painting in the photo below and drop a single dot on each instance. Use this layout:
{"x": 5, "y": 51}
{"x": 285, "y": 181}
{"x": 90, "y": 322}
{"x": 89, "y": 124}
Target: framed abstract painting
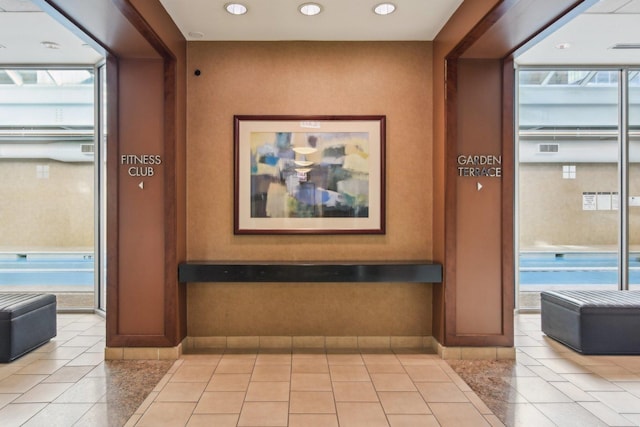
{"x": 309, "y": 174}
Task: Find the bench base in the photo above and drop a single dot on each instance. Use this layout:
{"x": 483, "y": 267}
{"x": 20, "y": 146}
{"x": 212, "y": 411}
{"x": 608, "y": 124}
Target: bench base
{"x": 26, "y": 322}
{"x": 593, "y": 322}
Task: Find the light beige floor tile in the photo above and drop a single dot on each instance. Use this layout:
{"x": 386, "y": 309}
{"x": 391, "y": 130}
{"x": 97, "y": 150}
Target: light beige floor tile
{"x": 345, "y": 359}
{"x": 96, "y": 416}
{"x": 162, "y": 414}
{"x": 349, "y": 373}
{"x": 537, "y": 390}
{"x": 564, "y": 366}
{"x": 229, "y": 382}
{"x": 377, "y": 358}
{"x": 87, "y": 390}
{"x": 392, "y": 382}
{"x": 17, "y": 414}
{"x": 43, "y": 393}
{"x": 87, "y": 359}
{"x": 591, "y": 382}
{"x": 220, "y": 402}
{"x": 201, "y": 359}
{"x": 385, "y": 368}
{"x": 310, "y": 382}
{"x": 64, "y": 414}
{"x": 621, "y": 402}
{"x": 312, "y": 402}
{"x": 403, "y": 402}
{"x": 441, "y": 392}
{"x": 20, "y": 383}
{"x": 606, "y": 414}
{"x": 357, "y": 391}
{"x": 65, "y": 353}
{"x": 546, "y": 373}
{"x": 264, "y": 414}
{"x": 458, "y": 414}
{"x": 146, "y": 403}
{"x": 566, "y": 414}
{"x": 271, "y": 373}
{"x": 614, "y": 373}
{"x": 213, "y": 420}
{"x": 43, "y": 366}
{"x": 632, "y": 387}
{"x": 273, "y": 359}
{"x": 313, "y": 420}
{"x": 573, "y": 392}
{"x": 525, "y": 415}
{"x": 494, "y": 421}
{"x": 193, "y": 373}
{"x": 82, "y": 341}
{"x": 427, "y": 373}
{"x": 267, "y": 391}
{"x": 363, "y": 414}
{"x": 68, "y": 374}
{"x": 181, "y": 392}
{"x": 478, "y": 403}
{"x": 418, "y": 359}
{"x": 310, "y": 366}
{"x": 413, "y": 421}
{"x": 542, "y": 352}
{"x": 235, "y": 366}
{"x": 6, "y": 398}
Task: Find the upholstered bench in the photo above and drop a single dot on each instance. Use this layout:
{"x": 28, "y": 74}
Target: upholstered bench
{"x": 593, "y": 322}
{"x": 26, "y": 321}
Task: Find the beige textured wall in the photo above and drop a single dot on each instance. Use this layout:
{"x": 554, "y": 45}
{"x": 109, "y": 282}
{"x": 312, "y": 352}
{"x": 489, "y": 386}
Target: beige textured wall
{"x": 54, "y": 213}
{"x": 551, "y": 207}
{"x": 309, "y": 78}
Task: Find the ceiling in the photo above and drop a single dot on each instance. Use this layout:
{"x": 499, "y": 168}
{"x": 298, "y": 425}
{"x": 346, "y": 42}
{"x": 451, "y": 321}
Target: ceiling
{"x": 339, "y": 20}
{"x": 590, "y": 37}
{"x": 23, "y": 28}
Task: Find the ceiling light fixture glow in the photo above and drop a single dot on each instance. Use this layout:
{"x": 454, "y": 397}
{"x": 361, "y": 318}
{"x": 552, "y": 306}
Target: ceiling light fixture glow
{"x": 310, "y": 9}
{"x": 235, "y": 8}
{"x": 384, "y": 9}
{"x": 50, "y": 45}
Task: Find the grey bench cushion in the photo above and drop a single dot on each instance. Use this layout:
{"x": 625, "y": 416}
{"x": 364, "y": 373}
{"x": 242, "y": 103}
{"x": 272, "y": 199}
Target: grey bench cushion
{"x": 26, "y": 321}
{"x": 593, "y": 322}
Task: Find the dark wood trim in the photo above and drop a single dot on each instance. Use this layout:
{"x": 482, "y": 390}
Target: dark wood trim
{"x": 143, "y": 27}
{"x": 498, "y": 12}
{"x": 451, "y": 195}
{"x": 489, "y": 20}
{"x": 140, "y": 341}
{"x": 508, "y": 196}
{"x": 112, "y": 208}
{"x": 171, "y": 299}
{"x": 238, "y": 119}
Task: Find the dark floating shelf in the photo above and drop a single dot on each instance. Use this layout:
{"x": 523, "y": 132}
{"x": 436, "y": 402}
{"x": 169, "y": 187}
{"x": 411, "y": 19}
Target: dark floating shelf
{"x": 388, "y": 272}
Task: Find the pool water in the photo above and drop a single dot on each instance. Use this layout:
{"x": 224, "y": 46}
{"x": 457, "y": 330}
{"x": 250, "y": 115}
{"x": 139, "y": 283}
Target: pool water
{"x": 574, "y": 269}
{"x": 22, "y": 270}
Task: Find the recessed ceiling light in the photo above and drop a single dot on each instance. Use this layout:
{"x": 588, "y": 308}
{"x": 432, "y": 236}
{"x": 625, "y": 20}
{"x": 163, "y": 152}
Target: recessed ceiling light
{"x": 562, "y": 46}
{"x": 196, "y": 34}
{"x": 50, "y": 45}
{"x": 310, "y": 9}
{"x": 235, "y": 8}
{"x": 384, "y": 8}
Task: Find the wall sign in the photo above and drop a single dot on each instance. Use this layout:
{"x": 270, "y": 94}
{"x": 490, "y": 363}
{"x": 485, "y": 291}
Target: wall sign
{"x": 483, "y": 165}
{"x": 140, "y": 165}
